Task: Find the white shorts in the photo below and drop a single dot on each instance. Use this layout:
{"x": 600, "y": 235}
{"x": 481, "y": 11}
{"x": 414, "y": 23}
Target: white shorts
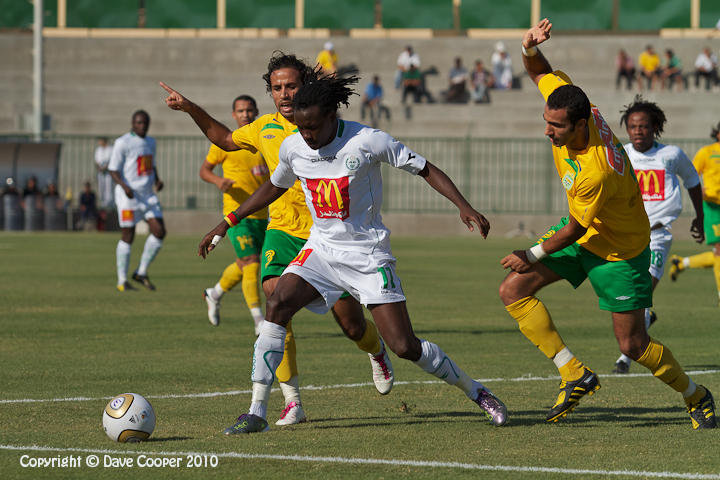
{"x": 132, "y": 210}
{"x": 370, "y": 278}
{"x": 660, "y": 243}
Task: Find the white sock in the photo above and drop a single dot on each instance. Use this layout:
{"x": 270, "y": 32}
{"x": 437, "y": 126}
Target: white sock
{"x": 257, "y": 315}
{"x": 122, "y": 254}
{"x": 434, "y": 361}
{"x": 625, "y": 359}
{"x": 563, "y": 357}
{"x": 690, "y": 390}
{"x": 216, "y": 292}
{"x": 152, "y": 247}
{"x": 268, "y": 353}
{"x": 686, "y": 262}
{"x": 647, "y": 318}
{"x": 260, "y": 397}
{"x": 291, "y": 390}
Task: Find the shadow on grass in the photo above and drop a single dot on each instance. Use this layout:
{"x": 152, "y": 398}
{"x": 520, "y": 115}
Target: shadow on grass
{"x": 702, "y": 367}
{"x": 166, "y": 439}
{"x": 467, "y": 332}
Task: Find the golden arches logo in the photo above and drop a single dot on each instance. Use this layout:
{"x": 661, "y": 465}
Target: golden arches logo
{"x": 645, "y": 176}
{"x": 324, "y": 191}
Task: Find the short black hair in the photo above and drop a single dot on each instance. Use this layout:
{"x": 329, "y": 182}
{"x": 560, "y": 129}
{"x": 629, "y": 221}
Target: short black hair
{"x": 283, "y": 60}
{"x": 141, "y": 112}
{"x": 654, "y": 113}
{"x": 245, "y": 98}
{"x": 327, "y": 92}
{"x": 572, "y": 99}
{"x": 714, "y": 132}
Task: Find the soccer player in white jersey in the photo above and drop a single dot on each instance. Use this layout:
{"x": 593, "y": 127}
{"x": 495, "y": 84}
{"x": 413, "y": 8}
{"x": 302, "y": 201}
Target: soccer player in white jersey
{"x": 338, "y": 165}
{"x": 657, "y": 168}
{"x": 132, "y": 166}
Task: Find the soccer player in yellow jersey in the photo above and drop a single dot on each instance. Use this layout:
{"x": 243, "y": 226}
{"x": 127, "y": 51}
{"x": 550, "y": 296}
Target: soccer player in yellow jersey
{"x": 243, "y": 172}
{"x": 707, "y": 164}
{"x": 288, "y": 229}
{"x": 605, "y": 237}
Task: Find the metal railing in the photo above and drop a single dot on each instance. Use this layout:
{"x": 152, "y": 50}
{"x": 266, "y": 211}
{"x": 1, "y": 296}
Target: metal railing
{"x": 495, "y": 175}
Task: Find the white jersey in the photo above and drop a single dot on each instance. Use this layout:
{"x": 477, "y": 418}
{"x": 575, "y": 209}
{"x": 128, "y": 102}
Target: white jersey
{"x": 657, "y": 171}
{"x": 102, "y": 156}
{"x": 343, "y": 185}
{"x": 134, "y": 158}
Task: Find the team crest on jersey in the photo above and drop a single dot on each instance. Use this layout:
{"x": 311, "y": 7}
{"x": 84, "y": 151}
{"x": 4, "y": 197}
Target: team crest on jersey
{"x": 352, "y": 163}
{"x": 568, "y": 179}
{"x": 268, "y": 136}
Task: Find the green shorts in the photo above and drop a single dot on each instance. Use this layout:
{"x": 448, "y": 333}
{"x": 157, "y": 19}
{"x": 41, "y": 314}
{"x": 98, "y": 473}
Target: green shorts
{"x": 711, "y": 224}
{"x": 247, "y": 237}
{"x": 278, "y": 251}
{"x": 621, "y": 285}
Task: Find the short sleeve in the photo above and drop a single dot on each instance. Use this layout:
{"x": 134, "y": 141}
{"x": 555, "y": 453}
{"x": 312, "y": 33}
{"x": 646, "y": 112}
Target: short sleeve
{"x": 246, "y": 137}
{"x": 699, "y": 160}
{"x": 551, "y": 81}
{"x": 283, "y": 176}
{"x": 389, "y": 150}
{"x": 591, "y": 194}
{"x": 686, "y": 170}
{"x": 117, "y": 156}
{"x": 215, "y": 155}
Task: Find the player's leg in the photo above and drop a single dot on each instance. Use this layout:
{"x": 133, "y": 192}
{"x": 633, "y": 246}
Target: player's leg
{"x": 349, "y": 315}
{"x": 394, "y": 324}
{"x": 126, "y": 219}
{"x": 153, "y": 244}
{"x": 634, "y": 341}
{"x": 290, "y": 294}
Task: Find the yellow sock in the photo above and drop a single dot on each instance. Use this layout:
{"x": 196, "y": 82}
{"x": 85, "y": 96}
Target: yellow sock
{"x": 536, "y": 324}
{"x": 716, "y": 270}
{"x": 660, "y": 361}
{"x": 701, "y": 260}
{"x": 288, "y": 367}
{"x": 230, "y": 277}
{"x": 370, "y": 341}
{"x": 250, "y": 284}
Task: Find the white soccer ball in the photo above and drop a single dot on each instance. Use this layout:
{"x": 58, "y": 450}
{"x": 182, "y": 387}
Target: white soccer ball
{"x": 128, "y": 418}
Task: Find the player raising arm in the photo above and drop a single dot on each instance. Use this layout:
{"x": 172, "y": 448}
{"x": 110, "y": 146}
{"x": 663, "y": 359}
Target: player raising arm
{"x": 338, "y": 164}
{"x": 605, "y": 237}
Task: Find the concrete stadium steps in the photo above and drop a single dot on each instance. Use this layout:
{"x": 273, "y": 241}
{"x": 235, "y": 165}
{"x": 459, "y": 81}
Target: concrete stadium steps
{"x": 94, "y": 84}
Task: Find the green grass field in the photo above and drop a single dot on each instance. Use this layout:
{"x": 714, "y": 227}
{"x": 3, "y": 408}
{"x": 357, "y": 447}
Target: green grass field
{"x": 66, "y": 332}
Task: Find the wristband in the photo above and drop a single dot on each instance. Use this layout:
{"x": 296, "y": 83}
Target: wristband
{"x": 529, "y": 52}
{"x": 231, "y": 219}
{"x": 536, "y": 253}
{"x": 215, "y": 240}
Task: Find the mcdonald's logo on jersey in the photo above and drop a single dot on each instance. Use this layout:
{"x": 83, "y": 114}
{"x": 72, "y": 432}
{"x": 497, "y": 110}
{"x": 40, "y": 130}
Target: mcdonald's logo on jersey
{"x": 144, "y": 164}
{"x": 330, "y": 197}
{"x": 652, "y": 184}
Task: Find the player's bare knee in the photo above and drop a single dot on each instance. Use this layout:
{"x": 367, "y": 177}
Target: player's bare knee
{"x": 277, "y": 310}
{"x": 406, "y": 348}
{"x": 633, "y": 346}
{"x": 512, "y": 289}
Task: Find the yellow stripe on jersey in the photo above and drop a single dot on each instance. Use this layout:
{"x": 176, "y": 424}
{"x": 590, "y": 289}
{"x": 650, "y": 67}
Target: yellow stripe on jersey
{"x": 247, "y": 169}
{"x": 602, "y": 191}
{"x": 288, "y": 213}
{"x": 707, "y": 163}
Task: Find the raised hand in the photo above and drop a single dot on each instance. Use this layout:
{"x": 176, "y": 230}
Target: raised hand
{"x": 207, "y": 245}
{"x": 537, "y": 34}
{"x": 697, "y": 231}
{"x": 175, "y": 100}
{"x": 468, "y": 216}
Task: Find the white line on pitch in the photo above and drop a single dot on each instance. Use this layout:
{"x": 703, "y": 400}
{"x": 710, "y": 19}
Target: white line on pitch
{"x": 525, "y": 378}
{"x": 380, "y": 461}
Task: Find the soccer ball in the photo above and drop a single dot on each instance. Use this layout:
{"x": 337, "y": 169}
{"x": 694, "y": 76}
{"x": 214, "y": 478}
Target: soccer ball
{"x": 128, "y": 418}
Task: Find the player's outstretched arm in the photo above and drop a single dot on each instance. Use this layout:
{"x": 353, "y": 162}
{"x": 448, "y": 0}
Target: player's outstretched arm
{"x": 534, "y": 61}
{"x": 215, "y": 131}
{"x": 442, "y": 184}
{"x": 696, "y": 226}
{"x": 261, "y": 198}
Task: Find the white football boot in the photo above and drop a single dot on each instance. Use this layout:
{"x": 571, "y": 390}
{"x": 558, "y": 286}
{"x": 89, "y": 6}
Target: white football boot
{"x": 213, "y": 307}
{"x": 292, "y": 414}
{"x": 382, "y": 370}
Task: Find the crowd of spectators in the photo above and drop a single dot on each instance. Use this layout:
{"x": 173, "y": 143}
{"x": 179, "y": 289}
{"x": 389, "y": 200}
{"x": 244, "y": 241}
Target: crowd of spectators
{"x": 654, "y": 73}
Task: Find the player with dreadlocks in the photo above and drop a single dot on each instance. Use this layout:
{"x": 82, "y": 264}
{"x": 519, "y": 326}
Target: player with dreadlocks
{"x": 287, "y": 231}
{"x": 657, "y": 168}
{"x": 338, "y": 164}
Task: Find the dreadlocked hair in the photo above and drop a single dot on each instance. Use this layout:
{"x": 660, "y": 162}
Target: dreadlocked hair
{"x": 654, "y": 113}
{"x": 280, "y": 60}
{"x": 327, "y": 92}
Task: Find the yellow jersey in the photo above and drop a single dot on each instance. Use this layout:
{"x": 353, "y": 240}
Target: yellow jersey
{"x": 649, "y": 62}
{"x": 602, "y": 191}
{"x": 288, "y": 213}
{"x": 247, "y": 169}
{"x": 707, "y": 164}
{"x": 327, "y": 60}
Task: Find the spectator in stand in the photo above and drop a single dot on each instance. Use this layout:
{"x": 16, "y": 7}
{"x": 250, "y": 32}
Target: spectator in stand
{"x": 406, "y": 58}
{"x": 625, "y": 69}
{"x": 672, "y": 72}
{"x": 327, "y": 58}
{"x": 103, "y": 151}
{"x": 10, "y": 187}
{"x": 706, "y": 66}
{"x": 52, "y": 192}
{"x": 88, "y": 208}
{"x": 457, "y": 89}
{"x": 649, "y": 66}
{"x": 482, "y": 81}
{"x": 502, "y": 67}
{"x": 32, "y": 192}
{"x": 372, "y": 101}
{"x": 413, "y": 83}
